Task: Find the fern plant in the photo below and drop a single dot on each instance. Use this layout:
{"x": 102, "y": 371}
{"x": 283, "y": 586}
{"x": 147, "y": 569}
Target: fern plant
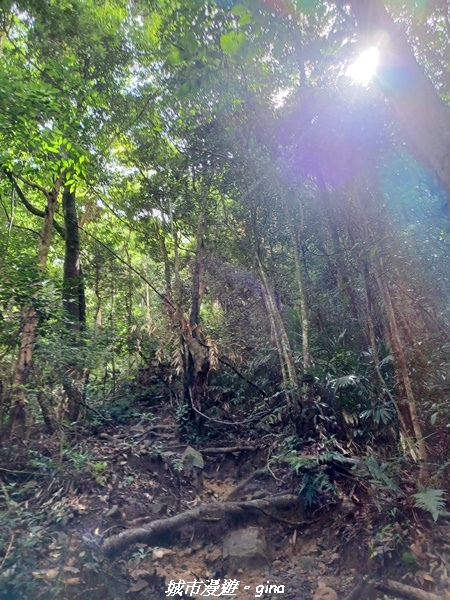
{"x": 432, "y": 501}
{"x": 313, "y": 486}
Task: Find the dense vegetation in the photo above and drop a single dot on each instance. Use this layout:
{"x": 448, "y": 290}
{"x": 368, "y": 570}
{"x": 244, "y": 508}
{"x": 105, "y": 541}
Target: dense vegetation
{"x": 199, "y": 206}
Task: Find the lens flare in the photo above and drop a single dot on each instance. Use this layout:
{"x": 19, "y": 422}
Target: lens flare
{"x": 363, "y": 69}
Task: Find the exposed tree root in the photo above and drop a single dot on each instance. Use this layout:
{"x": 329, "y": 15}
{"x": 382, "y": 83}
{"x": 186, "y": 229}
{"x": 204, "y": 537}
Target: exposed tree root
{"x": 214, "y": 511}
{"x": 229, "y": 450}
{"x": 405, "y": 591}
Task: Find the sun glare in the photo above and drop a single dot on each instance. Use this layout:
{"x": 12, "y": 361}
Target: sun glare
{"x": 363, "y": 69}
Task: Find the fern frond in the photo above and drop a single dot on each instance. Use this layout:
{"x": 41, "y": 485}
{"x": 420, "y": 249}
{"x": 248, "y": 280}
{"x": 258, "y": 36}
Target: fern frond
{"x": 380, "y": 478}
{"x": 345, "y": 381}
{"x": 432, "y": 501}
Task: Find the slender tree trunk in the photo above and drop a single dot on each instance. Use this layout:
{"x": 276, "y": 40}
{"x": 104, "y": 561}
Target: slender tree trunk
{"x": 276, "y": 337}
{"x": 24, "y": 362}
{"x": 407, "y": 404}
{"x": 98, "y": 319}
{"x": 345, "y": 288}
{"x": 197, "y": 365}
{"x": 47, "y": 413}
{"x": 424, "y": 116}
{"x": 295, "y": 231}
{"x": 176, "y": 258}
{"x": 288, "y": 372}
{"x": 167, "y": 270}
{"x": 406, "y": 440}
{"x": 73, "y": 286}
{"x": 283, "y": 345}
{"x": 74, "y": 303}
{"x": 304, "y": 309}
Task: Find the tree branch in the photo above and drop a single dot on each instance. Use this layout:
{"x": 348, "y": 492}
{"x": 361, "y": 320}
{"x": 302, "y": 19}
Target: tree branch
{"x": 36, "y": 186}
{"x": 28, "y": 205}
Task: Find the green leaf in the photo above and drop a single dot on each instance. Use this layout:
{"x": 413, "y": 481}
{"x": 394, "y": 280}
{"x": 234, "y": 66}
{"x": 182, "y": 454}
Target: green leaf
{"x": 232, "y": 42}
{"x": 239, "y": 10}
{"x": 174, "y": 58}
{"x": 246, "y": 19}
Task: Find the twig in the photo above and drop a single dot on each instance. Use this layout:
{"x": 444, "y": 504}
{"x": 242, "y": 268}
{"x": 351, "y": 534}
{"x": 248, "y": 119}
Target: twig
{"x": 7, "y": 551}
{"x": 255, "y": 418}
{"x": 224, "y": 361}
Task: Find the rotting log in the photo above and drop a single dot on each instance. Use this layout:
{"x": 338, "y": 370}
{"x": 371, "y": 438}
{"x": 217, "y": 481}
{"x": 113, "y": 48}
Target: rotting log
{"x": 214, "y": 511}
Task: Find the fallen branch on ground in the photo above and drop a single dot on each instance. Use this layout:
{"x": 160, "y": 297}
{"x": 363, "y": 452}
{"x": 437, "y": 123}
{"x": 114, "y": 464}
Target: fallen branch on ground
{"x": 406, "y": 591}
{"x": 229, "y": 450}
{"x": 214, "y": 511}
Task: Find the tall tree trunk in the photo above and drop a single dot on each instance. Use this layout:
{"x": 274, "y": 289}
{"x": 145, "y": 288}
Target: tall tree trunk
{"x": 296, "y": 227}
{"x": 288, "y": 371}
{"x": 98, "y": 318}
{"x": 74, "y": 303}
{"x": 197, "y": 365}
{"x": 406, "y": 440}
{"x": 73, "y": 286}
{"x": 406, "y": 403}
{"x": 296, "y": 232}
{"x": 424, "y": 116}
{"x": 269, "y": 305}
{"x": 346, "y": 289}
{"x": 24, "y": 362}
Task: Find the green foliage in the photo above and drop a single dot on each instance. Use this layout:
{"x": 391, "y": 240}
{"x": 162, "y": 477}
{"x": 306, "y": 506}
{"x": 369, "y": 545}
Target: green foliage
{"x": 380, "y": 478}
{"x": 386, "y": 543}
{"x": 299, "y": 463}
{"x": 315, "y": 482}
{"x": 232, "y": 43}
{"x": 432, "y": 501}
{"x": 314, "y": 487}
{"x": 15, "y": 580}
{"x": 140, "y": 109}
{"x": 381, "y": 413}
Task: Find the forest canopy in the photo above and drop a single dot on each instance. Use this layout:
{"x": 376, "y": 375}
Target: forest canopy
{"x": 224, "y": 205}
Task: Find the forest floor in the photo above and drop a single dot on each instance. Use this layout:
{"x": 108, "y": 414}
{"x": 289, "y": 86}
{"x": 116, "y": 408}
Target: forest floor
{"x": 64, "y": 508}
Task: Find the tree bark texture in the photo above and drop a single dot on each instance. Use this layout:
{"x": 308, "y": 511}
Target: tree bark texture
{"x": 73, "y": 286}
{"x": 197, "y": 364}
{"x": 29, "y": 326}
{"x": 74, "y": 302}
